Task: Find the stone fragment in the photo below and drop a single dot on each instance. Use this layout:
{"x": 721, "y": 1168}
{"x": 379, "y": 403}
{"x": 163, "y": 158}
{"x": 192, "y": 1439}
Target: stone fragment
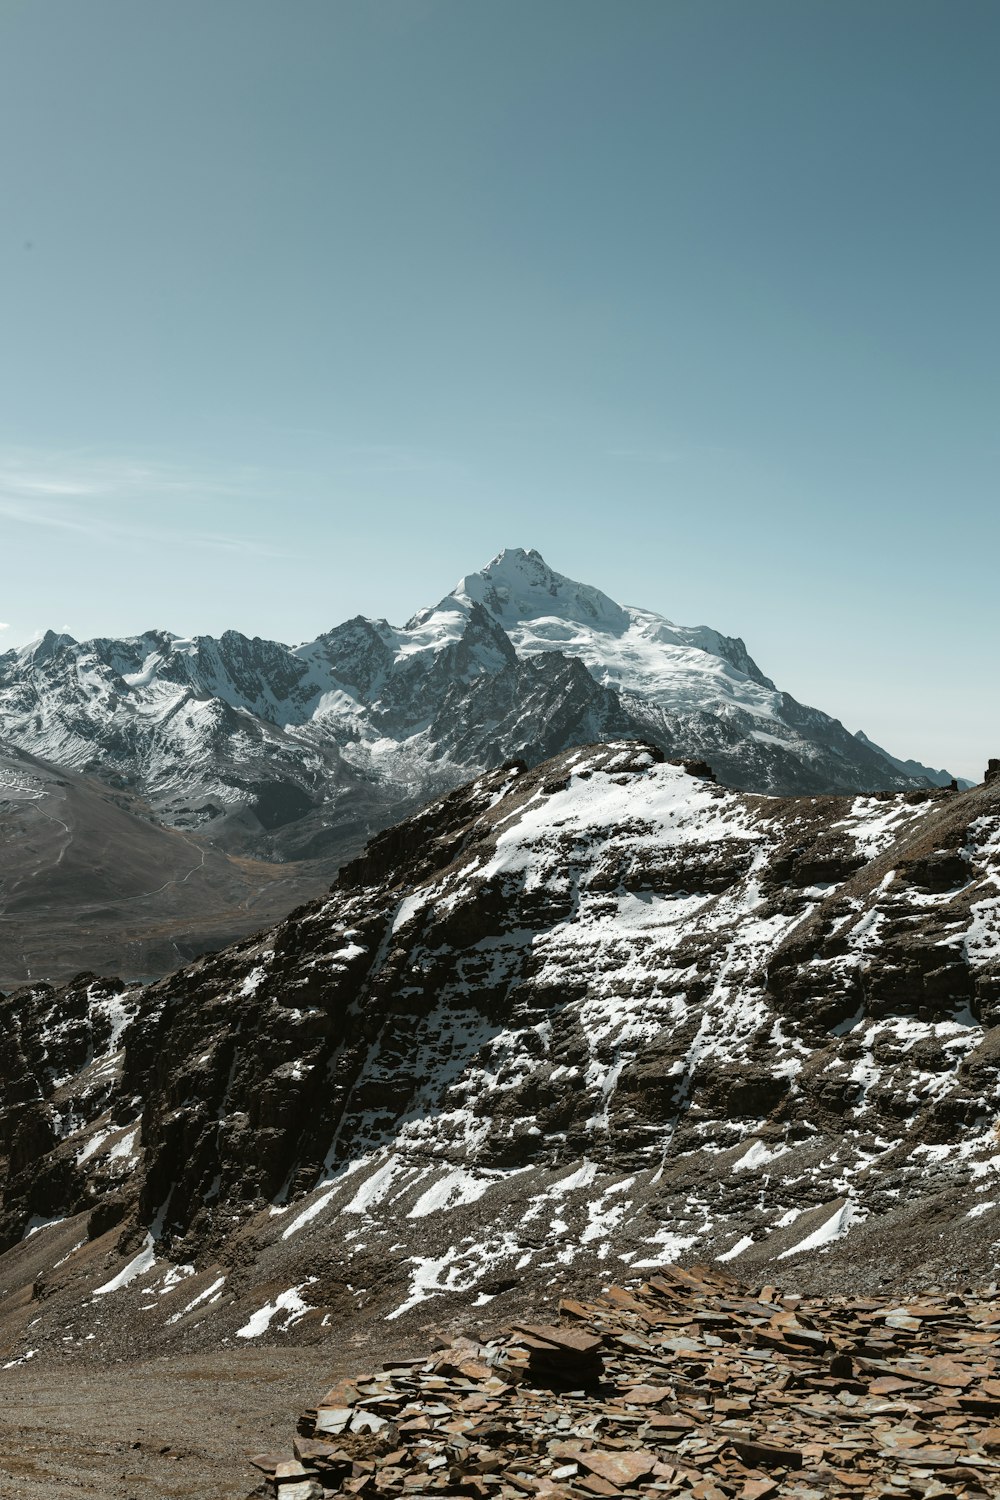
{"x": 767, "y": 1455}
{"x": 333, "y": 1418}
{"x": 618, "y": 1468}
{"x": 268, "y": 1462}
{"x": 947, "y": 1373}
{"x": 295, "y": 1482}
{"x": 647, "y": 1395}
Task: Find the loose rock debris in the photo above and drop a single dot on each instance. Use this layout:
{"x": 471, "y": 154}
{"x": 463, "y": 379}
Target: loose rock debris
{"x": 688, "y": 1385}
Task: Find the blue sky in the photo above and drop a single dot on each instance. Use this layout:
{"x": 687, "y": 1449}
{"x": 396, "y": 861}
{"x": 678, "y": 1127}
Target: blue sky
{"x": 310, "y": 308}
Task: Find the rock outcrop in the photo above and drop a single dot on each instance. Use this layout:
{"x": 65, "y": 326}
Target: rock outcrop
{"x": 603, "y": 1013}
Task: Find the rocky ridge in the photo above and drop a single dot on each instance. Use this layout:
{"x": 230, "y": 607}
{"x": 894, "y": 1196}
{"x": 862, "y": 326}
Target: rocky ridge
{"x": 593, "y": 1016}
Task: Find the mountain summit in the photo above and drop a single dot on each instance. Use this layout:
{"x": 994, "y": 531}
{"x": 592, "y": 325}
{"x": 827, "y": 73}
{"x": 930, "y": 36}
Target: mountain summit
{"x": 519, "y": 585}
{"x": 542, "y": 610}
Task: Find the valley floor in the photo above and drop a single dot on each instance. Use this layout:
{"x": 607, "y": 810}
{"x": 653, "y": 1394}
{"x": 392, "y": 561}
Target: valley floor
{"x": 181, "y": 1426}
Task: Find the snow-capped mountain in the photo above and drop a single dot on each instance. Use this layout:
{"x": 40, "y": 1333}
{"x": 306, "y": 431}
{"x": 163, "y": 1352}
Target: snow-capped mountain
{"x": 564, "y": 1023}
{"x": 302, "y": 752}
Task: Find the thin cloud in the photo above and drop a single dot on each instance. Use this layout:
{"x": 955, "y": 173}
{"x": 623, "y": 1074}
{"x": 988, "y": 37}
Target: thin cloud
{"x": 221, "y": 542}
{"x": 378, "y": 458}
{"x": 109, "y": 499}
{"x": 644, "y": 455}
{"x": 14, "y": 510}
{"x": 57, "y": 487}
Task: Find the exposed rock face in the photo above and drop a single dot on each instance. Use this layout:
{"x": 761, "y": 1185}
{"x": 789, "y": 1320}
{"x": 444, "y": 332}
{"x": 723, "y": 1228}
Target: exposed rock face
{"x": 300, "y": 753}
{"x": 597, "y": 1014}
{"x": 56, "y": 1059}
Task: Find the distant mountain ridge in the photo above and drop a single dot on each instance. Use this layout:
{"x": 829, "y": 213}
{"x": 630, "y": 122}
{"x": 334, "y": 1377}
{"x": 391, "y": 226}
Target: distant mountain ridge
{"x": 302, "y": 752}
{"x": 914, "y": 768}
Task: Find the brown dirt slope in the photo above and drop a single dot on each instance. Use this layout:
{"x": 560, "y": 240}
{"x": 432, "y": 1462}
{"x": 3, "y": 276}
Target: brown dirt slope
{"x": 89, "y": 881}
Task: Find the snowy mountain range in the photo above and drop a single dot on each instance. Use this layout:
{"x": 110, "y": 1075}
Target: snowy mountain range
{"x": 302, "y": 752}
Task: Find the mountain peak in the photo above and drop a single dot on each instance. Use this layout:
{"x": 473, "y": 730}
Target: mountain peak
{"x": 45, "y": 647}
{"x": 528, "y": 561}
{"x": 518, "y": 584}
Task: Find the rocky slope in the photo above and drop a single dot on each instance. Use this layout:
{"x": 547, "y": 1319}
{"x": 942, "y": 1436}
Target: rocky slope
{"x": 303, "y": 752}
{"x": 566, "y": 1022}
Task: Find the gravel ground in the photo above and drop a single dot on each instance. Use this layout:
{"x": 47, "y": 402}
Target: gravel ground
{"x": 178, "y": 1426}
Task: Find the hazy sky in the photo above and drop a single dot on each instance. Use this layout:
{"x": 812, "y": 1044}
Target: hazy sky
{"x": 307, "y": 307}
